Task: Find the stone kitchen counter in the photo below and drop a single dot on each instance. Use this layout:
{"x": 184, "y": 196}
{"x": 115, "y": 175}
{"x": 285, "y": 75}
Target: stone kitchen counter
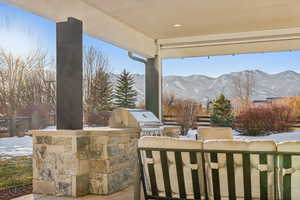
{"x": 79, "y": 162}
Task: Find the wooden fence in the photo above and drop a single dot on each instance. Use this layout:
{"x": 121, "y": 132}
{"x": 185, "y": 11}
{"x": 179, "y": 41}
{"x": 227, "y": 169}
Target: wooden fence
{"x": 204, "y": 120}
{"x": 201, "y": 120}
{"x": 14, "y": 125}
{"x": 296, "y": 124}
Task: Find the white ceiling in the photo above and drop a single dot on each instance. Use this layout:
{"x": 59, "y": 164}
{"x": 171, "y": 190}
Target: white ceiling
{"x": 214, "y": 27}
{"x": 155, "y": 18}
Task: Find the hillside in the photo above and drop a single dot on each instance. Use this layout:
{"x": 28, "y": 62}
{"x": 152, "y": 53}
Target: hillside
{"x": 200, "y": 87}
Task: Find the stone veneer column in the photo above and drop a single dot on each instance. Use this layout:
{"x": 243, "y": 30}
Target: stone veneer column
{"x": 79, "y": 162}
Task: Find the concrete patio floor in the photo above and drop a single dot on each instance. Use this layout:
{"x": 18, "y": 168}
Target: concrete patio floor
{"x": 127, "y": 194}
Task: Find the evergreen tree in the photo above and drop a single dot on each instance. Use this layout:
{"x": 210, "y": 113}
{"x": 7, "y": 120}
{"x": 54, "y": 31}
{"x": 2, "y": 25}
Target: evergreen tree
{"x": 102, "y": 90}
{"x": 97, "y": 84}
{"x": 222, "y": 113}
{"x": 125, "y": 95}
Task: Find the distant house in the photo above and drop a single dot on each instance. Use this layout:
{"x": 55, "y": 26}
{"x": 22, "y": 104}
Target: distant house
{"x": 268, "y": 100}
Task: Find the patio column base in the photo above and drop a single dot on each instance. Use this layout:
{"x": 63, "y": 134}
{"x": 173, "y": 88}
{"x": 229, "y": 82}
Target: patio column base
{"x": 79, "y": 162}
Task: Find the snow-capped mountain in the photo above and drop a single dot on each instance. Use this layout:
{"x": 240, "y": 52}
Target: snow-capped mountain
{"x": 200, "y": 87}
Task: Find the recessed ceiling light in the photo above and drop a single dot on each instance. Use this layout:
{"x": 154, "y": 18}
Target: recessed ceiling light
{"x": 177, "y": 25}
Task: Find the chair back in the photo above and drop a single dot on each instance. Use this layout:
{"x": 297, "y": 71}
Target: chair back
{"x": 171, "y": 168}
{"x": 214, "y": 133}
{"x": 240, "y": 169}
{"x": 219, "y": 169}
{"x": 289, "y": 170}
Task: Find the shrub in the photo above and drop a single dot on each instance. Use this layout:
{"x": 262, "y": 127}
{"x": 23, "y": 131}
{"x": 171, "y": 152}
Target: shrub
{"x": 265, "y": 119}
{"x": 39, "y": 113}
{"x": 97, "y": 118}
{"x": 186, "y": 114}
{"x": 294, "y": 103}
{"x": 222, "y": 112}
{"x": 172, "y": 105}
{"x": 285, "y": 117}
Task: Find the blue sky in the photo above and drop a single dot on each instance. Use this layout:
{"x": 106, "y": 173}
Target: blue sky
{"x": 21, "y": 31}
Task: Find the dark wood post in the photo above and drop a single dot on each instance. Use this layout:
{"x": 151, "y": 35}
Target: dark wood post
{"x": 69, "y": 74}
{"x": 153, "y": 86}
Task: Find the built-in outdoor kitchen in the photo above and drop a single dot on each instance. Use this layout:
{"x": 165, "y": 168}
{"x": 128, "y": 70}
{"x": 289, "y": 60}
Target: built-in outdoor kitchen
{"x": 136, "y": 147}
{"x": 74, "y": 160}
{"x": 98, "y": 160}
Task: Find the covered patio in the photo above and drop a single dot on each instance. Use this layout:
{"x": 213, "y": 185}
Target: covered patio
{"x": 178, "y": 29}
{"x": 172, "y": 29}
{"x": 153, "y": 30}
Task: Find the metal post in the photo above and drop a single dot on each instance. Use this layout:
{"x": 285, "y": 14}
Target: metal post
{"x": 12, "y": 126}
{"x": 69, "y": 74}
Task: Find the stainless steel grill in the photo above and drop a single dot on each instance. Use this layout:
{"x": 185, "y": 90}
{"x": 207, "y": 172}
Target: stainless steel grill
{"x": 149, "y": 124}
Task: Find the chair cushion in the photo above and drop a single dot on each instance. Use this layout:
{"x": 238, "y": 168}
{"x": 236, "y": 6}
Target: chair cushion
{"x": 217, "y": 162}
{"x": 289, "y": 173}
{"x": 168, "y": 143}
{"x": 214, "y": 133}
{"x": 160, "y": 145}
{"x": 240, "y": 145}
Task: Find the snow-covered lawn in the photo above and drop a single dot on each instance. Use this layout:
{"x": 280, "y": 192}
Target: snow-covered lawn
{"x": 20, "y": 146}
{"x": 15, "y": 146}
{"x": 278, "y": 137}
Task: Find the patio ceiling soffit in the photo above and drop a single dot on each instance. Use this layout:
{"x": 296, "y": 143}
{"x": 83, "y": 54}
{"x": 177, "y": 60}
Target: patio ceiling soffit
{"x": 105, "y": 27}
{"x": 231, "y": 43}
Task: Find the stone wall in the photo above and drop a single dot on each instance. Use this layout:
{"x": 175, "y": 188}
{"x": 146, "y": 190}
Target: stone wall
{"x": 75, "y": 163}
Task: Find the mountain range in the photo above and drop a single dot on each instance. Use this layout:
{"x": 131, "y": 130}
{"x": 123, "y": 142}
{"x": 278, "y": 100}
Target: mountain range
{"x": 202, "y": 88}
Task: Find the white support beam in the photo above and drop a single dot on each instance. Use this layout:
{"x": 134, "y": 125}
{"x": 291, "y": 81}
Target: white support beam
{"x": 95, "y": 23}
{"x": 232, "y": 43}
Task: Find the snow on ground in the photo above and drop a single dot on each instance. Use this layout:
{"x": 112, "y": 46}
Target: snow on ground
{"x": 21, "y": 146}
{"x": 277, "y": 137}
{"x": 15, "y": 146}
{"x": 178, "y": 84}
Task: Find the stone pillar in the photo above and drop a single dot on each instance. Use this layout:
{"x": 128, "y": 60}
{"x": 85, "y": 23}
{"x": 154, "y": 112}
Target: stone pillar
{"x": 60, "y": 163}
{"x": 69, "y": 74}
{"x": 113, "y": 161}
{"x": 79, "y": 162}
{"x": 153, "y": 86}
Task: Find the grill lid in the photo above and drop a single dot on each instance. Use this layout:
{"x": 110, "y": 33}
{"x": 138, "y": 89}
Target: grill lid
{"x": 133, "y": 118}
{"x": 144, "y": 116}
